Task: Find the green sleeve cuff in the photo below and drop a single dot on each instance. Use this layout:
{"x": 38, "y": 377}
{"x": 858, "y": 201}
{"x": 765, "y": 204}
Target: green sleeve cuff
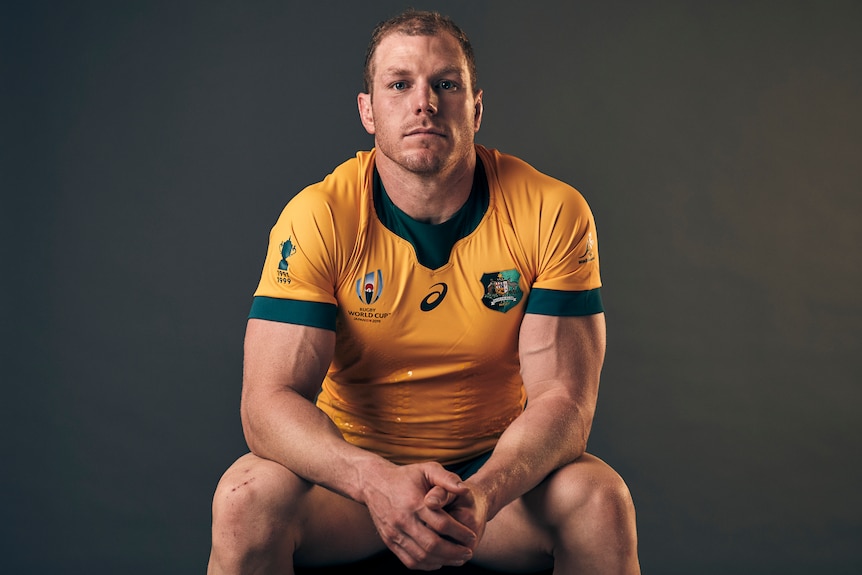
{"x": 565, "y": 303}
{"x": 310, "y": 313}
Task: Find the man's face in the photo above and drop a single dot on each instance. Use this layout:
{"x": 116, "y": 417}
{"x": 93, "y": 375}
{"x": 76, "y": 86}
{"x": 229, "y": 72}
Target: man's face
{"x": 422, "y": 112}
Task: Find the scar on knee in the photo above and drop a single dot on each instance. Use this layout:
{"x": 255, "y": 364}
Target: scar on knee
{"x": 243, "y": 484}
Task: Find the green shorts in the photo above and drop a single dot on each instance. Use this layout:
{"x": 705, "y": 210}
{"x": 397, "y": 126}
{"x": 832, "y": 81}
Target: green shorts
{"x": 465, "y": 469}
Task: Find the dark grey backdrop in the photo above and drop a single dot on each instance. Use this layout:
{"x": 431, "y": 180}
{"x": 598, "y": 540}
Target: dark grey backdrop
{"x": 147, "y": 148}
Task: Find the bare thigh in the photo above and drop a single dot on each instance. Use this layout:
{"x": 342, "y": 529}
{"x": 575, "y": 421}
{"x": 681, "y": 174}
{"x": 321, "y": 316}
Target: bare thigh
{"x": 314, "y": 525}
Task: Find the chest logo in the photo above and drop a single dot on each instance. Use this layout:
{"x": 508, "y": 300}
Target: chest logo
{"x": 369, "y": 288}
{"x": 435, "y": 298}
{"x": 502, "y": 291}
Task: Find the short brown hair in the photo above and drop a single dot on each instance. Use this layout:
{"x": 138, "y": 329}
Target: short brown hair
{"x": 418, "y": 23}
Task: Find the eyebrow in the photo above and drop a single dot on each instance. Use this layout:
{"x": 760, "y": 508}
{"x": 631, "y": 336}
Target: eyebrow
{"x": 447, "y": 71}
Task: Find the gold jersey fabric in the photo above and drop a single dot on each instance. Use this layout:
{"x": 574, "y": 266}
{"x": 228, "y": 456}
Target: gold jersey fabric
{"x": 426, "y": 360}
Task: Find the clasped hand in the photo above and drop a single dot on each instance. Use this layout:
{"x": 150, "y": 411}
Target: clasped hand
{"x": 425, "y": 515}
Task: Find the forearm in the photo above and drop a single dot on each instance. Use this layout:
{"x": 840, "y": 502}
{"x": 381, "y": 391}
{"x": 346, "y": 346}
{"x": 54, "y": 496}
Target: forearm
{"x": 286, "y": 427}
{"x": 551, "y": 432}
{"x": 561, "y": 361}
{"x": 283, "y": 368}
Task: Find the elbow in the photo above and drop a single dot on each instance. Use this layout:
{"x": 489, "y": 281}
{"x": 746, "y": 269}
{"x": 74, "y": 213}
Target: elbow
{"x": 580, "y": 420}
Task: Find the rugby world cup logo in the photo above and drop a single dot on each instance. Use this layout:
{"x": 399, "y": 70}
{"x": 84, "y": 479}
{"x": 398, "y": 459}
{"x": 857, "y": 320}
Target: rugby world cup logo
{"x": 369, "y": 288}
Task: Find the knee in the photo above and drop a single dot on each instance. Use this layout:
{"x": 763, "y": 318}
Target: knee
{"x": 609, "y": 496}
{"x": 591, "y": 517}
{"x": 591, "y": 492}
{"x": 251, "y": 503}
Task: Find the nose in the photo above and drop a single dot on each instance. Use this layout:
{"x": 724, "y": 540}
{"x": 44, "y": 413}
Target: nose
{"x": 425, "y": 99}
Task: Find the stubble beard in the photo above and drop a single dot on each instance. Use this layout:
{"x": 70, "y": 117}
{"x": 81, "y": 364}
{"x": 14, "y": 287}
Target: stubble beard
{"x": 425, "y": 161}
{"x": 422, "y": 163}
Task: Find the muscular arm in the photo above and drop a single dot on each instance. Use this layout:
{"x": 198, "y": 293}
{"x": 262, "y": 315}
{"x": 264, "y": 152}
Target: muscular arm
{"x": 561, "y": 360}
{"x": 283, "y": 369}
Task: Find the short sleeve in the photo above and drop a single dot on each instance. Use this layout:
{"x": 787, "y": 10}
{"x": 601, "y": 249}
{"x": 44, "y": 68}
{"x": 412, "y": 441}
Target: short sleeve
{"x": 568, "y": 254}
{"x": 297, "y": 283}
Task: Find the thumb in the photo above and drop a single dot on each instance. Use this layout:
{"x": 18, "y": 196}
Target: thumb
{"x": 440, "y": 477}
{"x": 438, "y": 497}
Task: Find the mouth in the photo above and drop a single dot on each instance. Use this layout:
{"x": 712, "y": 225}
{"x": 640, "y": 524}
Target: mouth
{"x": 425, "y": 132}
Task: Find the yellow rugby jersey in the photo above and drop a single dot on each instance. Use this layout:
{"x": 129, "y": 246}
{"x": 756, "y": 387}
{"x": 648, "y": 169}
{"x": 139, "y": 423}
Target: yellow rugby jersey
{"x": 426, "y": 360}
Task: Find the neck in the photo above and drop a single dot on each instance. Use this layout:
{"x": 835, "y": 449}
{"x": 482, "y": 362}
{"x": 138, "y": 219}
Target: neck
{"x": 430, "y": 198}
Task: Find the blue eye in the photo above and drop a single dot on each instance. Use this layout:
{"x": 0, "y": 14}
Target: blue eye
{"x": 447, "y": 85}
{"x": 399, "y": 85}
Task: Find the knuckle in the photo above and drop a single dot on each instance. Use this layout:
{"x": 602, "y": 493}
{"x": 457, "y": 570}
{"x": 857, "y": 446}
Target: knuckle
{"x": 397, "y": 538}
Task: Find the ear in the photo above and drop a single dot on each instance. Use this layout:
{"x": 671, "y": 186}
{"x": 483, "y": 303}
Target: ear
{"x": 477, "y": 115}
{"x": 366, "y": 114}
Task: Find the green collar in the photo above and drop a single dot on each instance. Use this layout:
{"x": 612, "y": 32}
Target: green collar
{"x": 433, "y": 242}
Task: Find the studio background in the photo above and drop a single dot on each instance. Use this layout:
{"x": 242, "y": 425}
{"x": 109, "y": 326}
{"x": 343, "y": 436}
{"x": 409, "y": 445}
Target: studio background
{"x": 147, "y": 148}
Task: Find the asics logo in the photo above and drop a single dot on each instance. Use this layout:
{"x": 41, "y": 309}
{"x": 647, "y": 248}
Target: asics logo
{"x": 435, "y": 297}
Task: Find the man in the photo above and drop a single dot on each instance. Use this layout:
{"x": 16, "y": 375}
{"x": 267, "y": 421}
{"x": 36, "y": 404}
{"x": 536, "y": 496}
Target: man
{"x": 423, "y": 353}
